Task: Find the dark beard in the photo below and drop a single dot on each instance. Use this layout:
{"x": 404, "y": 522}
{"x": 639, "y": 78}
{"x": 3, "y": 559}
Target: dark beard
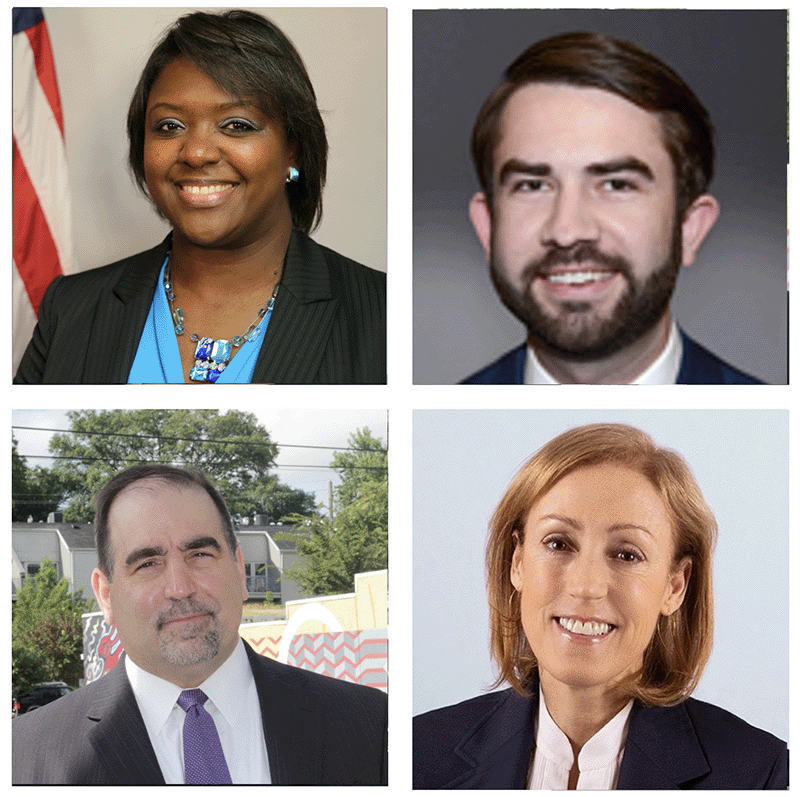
{"x": 575, "y": 333}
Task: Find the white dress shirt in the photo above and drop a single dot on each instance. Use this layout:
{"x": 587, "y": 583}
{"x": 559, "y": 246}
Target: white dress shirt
{"x": 662, "y": 371}
{"x": 598, "y": 760}
{"x": 233, "y": 704}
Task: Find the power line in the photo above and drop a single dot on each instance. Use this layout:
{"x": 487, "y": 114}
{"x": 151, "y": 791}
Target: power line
{"x": 81, "y": 458}
{"x": 199, "y": 440}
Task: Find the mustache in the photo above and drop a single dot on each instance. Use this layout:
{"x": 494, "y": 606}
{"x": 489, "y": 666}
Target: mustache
{"x": 183, "y": 608}
{"x": 580, "y": 252}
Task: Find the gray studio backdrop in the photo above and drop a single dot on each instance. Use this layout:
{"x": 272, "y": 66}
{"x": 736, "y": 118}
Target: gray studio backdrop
{"x": 464, "y": 460}
{"x": 99, "y": 54}
{"x": 733, "y": 299}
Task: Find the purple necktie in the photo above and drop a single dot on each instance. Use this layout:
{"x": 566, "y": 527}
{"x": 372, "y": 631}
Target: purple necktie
{"x": 203, "y": 759}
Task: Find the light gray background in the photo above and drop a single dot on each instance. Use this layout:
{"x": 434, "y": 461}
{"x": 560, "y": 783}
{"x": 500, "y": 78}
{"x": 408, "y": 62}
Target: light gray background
{"x": 463, "y": 462}
{"x": 100, "y": 53}
{"x": 733, "y": 300}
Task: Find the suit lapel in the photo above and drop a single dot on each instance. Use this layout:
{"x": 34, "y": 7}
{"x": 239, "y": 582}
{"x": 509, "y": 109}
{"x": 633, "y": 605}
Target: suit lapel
{"x": 121, "y": 314}
{"x": 662, "y": 750}
{"x": 498, "y": 748}
{"x": 301, "y": 323}
{"x": 294, "y": 736}
{"x": 119, "y": 736}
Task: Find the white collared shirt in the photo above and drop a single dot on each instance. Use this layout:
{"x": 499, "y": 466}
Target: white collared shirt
{"x": 662, "y": 371}
{"x": 598, "y": 760}
{"x": 232, "y": 702}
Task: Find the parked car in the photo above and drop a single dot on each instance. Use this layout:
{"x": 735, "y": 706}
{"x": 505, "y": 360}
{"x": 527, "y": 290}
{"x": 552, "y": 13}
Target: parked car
{"x": 42, "y": 694}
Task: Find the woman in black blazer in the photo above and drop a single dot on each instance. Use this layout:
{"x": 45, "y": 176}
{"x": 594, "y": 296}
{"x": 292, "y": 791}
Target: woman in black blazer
{"x": 228, "y": 143}
{"x": 599, "y": 580}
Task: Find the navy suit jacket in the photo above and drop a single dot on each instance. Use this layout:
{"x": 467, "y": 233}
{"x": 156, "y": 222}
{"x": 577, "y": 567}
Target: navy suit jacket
{"x": 698, "y": 367}
{"x": 487, "y": 742}
{"x": 328, "y": 325}
{"x": 319, "y": 732}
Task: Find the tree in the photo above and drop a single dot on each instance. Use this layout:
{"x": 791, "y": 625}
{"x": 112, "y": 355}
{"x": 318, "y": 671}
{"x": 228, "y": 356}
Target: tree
{"x": 355, "y": 540}
{"x": 35, "y": 492}
{"x": 46, "y": 622}
{"x": 231, "y": 448}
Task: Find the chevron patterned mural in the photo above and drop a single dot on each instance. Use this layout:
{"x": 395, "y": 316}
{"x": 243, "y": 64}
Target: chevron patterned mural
{"x": 357, "y": 656}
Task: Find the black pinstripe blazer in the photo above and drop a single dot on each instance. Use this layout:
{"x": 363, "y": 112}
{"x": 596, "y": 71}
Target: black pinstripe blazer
{"x": 328, "y": 325}
{"x": 319, "y": 732}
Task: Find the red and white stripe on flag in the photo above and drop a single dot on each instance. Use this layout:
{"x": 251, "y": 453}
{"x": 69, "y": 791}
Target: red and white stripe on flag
{"x": 41, "y": 198}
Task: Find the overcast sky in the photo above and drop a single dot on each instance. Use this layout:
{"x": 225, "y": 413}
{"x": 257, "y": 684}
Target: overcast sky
{"x": 299, "y": 427}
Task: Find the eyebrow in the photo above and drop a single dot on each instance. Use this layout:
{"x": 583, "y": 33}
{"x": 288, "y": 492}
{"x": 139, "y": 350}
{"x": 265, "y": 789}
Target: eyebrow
{"x": 225, "y": 106}
{"x": 568, "y": 521}
{"x": 156, "y": 550}
{"x": 628, "y": 163}
{"x": 200, "y": 542}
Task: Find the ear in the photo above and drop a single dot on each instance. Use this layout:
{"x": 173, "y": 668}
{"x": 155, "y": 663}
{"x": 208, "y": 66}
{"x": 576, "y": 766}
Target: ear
{"x": 480, "y": 215}
{"x": 240, "y": 563}
{"x": 676, "y": 588}
{"x": 517, "y": 567}
{"x": 697, "y": 222}
{"x": 102, "y": 591}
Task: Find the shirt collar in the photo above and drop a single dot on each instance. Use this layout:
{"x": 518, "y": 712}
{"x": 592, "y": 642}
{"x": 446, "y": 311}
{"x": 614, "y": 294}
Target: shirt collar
{"x": 226, "y": 688}
{"x": 663, "y": 371}
{"x": 602, "y": 750}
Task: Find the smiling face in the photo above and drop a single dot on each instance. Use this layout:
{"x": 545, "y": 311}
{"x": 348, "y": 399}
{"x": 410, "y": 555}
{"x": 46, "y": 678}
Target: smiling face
{"x": 176, "y": 591}
{"x": 215, "y": 165}
{"x": 582, "y": 235}
{"x": 594, "y": 573}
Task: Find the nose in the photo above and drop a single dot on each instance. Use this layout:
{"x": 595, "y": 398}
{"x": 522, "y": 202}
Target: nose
{"x": 178, "y": 581}
{"x": 199, "y": 148}
{"x": 587, "y": 577}
{"x": 570, "y": 220}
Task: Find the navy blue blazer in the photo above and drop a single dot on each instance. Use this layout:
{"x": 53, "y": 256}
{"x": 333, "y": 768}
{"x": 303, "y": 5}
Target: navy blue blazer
{"x": 487, "y": 742}
{"x": 698, "y": 367}
{"x": 319, "y": 732}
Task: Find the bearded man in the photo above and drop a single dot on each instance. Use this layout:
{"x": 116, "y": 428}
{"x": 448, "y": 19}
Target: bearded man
{"x": 594, "y": 159}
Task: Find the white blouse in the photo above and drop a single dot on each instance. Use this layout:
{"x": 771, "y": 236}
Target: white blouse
{"x": 598, "y": 760}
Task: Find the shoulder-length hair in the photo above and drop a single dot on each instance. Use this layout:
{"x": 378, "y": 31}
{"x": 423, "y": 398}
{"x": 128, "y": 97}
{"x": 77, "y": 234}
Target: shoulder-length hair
{"x": 674, "y": 660}
{"x": 592, "y": 60}
{"x": 250, "y": 58}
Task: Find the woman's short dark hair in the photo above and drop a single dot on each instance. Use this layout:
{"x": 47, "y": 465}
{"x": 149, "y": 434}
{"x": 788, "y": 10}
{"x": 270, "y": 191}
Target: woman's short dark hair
{"x": 250, "y": 58}
{"x": 681, "y": 644}
{"x": 592, "y": 60}
{"x": 166, "y": 474}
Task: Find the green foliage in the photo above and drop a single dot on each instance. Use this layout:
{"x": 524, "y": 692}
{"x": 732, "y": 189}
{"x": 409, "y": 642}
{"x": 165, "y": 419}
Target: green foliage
{"x": 239, "y": 466}
{"x": 27, "y": 669}
{"x": 46, "y": 622}
{"x": 35, "y": 492}
{"x": 356, "y": 540}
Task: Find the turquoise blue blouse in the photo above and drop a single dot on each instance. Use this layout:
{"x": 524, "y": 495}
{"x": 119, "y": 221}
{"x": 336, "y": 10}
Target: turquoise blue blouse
{"x": 158, "y": 358}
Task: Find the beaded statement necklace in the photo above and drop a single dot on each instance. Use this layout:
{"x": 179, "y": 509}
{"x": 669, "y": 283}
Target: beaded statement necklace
{"x": 211, "y": 356}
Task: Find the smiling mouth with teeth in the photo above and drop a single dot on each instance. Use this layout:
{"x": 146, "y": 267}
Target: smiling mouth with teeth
{"x": 578, "y": 277}
{"x": 585, "y": 629}
{"x": 206, "y": 189}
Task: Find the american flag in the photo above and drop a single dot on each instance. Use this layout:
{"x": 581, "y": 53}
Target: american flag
{"x": 42, "y": 231}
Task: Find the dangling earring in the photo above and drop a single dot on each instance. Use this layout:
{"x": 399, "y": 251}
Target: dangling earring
{"x": 294, "y": 175}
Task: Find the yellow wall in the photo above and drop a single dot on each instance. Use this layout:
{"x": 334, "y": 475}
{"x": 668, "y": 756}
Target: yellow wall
{"x": 362, "y": 610}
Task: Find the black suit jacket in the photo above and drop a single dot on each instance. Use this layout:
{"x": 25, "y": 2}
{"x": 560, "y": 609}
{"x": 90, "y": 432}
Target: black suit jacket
{"x": 486, "y": 743}
{"x": 319, "y": 731}
{"x": 328, "y": 325}
{"x": 698, "y": 367}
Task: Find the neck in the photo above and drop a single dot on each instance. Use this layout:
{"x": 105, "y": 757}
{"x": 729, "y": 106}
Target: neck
{"x": 200, "y": 269}
{"x": 580, "y": 712}
{"x": 620, "y": 368}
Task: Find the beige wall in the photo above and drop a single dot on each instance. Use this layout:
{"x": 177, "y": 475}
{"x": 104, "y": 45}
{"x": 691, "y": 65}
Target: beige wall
{"x": 99, "y": 54}
{"x": 362, "y": 610}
